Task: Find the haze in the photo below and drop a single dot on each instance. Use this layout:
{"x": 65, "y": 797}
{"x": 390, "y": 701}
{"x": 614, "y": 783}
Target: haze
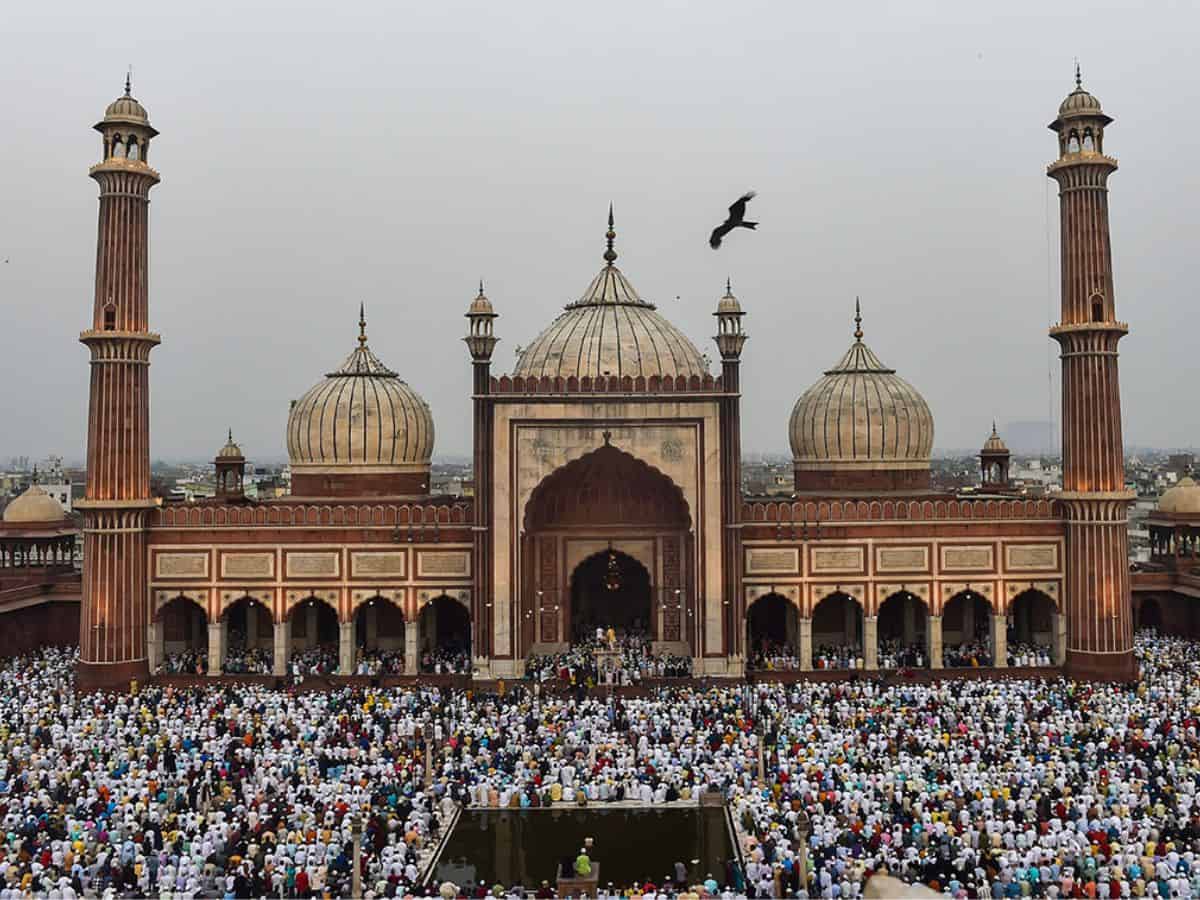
{"x": 317, "y": 155}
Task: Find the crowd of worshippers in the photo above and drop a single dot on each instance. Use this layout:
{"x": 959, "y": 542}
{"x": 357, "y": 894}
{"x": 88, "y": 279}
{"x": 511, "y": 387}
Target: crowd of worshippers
{"x": 607, "y": 658}
{"x": 314, "y": 661}
{"x": 983, "y": 788}
{"x": 242, "y": 660}
{"x": 774, "y": 656}
{"x": 899, "y": 655}
{"x": 185, "y": 662}
{"x": 446, "y": 661}
{"x": 379, "y": 662}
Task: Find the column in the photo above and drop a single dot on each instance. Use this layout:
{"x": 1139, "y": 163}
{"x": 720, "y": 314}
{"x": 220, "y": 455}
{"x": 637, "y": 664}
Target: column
{"x": 910, "y": 621}
{"x": 935, "y": 642}
{"x": 346, "y": 648}
{"x": 372, "y": 622}
{"x": 154, "y": 645}
{"x": 283, "y": 647}
{"x": 1060, "y": 638}
{"x": 411, "y": 661}
{"x": 217, "y": 632}
{"x": 871, "y": 642}
{"x": 999, "y": 640}
{"x": 805, "y": 644}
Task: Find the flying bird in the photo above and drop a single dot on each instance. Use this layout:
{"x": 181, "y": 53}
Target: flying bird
{"x": 737, "y": 215}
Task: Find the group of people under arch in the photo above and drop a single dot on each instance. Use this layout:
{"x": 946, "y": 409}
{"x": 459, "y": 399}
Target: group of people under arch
{"x": 310, "y": 641}
{"x": 968, "y": 634}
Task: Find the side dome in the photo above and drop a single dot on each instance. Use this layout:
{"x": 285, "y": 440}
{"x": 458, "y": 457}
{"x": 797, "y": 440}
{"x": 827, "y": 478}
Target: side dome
{"x": 861, "y": 428}
{"x": 360, "y": 432}
{"x": 1181, "y": 500}
{"x": 609, "y": 331}
{"x": 34, "y": 507}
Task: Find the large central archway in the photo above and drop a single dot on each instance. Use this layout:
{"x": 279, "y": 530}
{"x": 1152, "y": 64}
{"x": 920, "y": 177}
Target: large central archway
{"x": 610, "y": 590}
{"x": 606, "y": 499}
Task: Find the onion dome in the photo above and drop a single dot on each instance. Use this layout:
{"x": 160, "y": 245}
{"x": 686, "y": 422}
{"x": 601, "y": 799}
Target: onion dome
{"x": 1181, "y": 500}
{"x": 861, "y": 427}
{"x": 1079, "y": 104}
{"x": 360, "y": 432}
{"x": 230, "y": 450}
{"x": 126, "y": 110}
{"x": 610, "y": 330}
{"x": 34, "y": 507}
{"x": 994, "y": 443}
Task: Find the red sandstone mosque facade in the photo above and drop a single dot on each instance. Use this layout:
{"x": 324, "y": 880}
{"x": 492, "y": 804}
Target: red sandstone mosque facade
{"x": 607, "y": 489}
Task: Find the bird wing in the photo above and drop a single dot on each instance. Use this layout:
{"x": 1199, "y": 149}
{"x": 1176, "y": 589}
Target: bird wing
{"x": 738, "y": 210}
{"x": 719, "y": 232}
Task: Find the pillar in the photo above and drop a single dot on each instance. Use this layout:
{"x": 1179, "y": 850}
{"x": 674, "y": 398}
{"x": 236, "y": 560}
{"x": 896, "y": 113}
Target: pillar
{"x": 411, "y": 652}
{"x": 154, "y": 645}
{"x": 346, "y": 648}
{"x": 1060, "y": 638}
{"x": 806, "y": 644}
{"x": 371, "y": 620}
{"x": 999, "y": 640}
{"x": 935, "y": 642}
{"x": 283, "y": 647}
{"x": 218, "y": 632}
{"x": 311, "y": 612}
{"x": 871, "y": 642}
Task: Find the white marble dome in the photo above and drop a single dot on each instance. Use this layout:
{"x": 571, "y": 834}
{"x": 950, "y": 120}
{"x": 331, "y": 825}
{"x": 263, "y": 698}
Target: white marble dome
{"x": 32, "y": 507}
{"x": 363, "y": 417}
{"x": 610, "y": 331}
{"x": 861, "y": 415}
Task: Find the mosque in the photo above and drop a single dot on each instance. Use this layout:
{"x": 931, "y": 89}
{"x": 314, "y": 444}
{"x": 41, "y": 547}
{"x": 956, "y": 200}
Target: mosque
{"x": 607, "y": 488}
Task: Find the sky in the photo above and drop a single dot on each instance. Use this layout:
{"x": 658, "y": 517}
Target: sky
{"x": 318, "y": 155}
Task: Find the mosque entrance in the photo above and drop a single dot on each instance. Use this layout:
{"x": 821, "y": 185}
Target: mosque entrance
{"x": 607, "y": 542}
{"x": 610, "y": 590}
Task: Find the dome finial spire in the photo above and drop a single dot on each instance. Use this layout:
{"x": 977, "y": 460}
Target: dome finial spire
{"x": 1078, "y": 76}
{"x": 129, "y": 80}
{"x": 610, "y": 255}
{"x": 858, "y": 332}
{"x": 480, "y": 287}
{"x": 728, "y": 286}
{"x": 231, "y": 435}
{"x": 362, "y": 325}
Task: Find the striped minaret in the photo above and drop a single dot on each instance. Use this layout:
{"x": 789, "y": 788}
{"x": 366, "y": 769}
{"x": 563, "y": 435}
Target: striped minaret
{"x": 1096, "y": 597}
{"x": 115, "y": 609}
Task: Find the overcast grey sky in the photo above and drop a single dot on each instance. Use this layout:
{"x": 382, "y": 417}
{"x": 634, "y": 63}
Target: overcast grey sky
{"x": 315, "y": 155}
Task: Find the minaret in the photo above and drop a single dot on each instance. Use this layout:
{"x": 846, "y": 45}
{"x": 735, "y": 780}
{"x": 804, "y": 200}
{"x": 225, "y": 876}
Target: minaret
{"x": 1096, "y": 599}
{"x": 481, "y": 341}
{"x": 115, "y": 608}
{"x": 730, "y": 340}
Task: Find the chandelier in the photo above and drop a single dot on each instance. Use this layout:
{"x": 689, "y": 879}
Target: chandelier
{"x": 612, "y": 578}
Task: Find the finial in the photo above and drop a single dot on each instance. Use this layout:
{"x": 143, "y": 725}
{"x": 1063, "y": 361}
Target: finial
{"x": 480, "y": 287}
{"x": 362, "y": 325}
{"x": 858, "y": 332}
{"x": 610, "y": 255}
{"x": 35, "y": 474}
{"x": 728, "y": 287}
{"x": 1078, "y": 76}
{"x": 994, "y": 434}
{"x": 231, "y": 435}
{"x": 129, "y": 80}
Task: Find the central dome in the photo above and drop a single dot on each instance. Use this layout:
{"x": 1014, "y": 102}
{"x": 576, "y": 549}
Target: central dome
{"x": 610, "y": 331}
